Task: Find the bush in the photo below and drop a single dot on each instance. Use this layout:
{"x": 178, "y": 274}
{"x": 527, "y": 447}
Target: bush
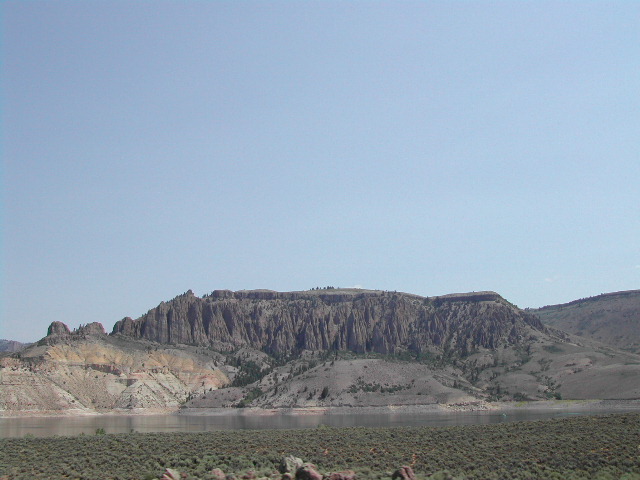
{"x": 584, "y": 447}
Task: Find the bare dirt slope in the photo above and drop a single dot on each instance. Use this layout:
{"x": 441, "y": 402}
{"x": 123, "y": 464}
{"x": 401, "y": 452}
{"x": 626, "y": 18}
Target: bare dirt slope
{"x": 97, "y": 374}
{"x": 612, "y": 318}
{"x": 570, "y": 368}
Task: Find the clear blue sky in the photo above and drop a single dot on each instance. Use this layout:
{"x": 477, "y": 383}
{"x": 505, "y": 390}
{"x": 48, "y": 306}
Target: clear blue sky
{"x": 427, "y": 147}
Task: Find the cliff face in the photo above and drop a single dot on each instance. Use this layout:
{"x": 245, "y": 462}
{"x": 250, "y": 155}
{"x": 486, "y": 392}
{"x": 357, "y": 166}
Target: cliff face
{"x": 302, "y": 349}
{"x": 354, "y": 320}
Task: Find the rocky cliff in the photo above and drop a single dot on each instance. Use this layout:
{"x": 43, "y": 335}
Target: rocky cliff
{"x": 341, "y": 320}
{"x": 319, "y": 348}
{"x": 58, "y": 331}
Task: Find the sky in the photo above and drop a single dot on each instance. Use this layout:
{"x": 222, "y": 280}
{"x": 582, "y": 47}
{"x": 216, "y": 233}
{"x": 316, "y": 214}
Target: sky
{"x": 149, "y": 148}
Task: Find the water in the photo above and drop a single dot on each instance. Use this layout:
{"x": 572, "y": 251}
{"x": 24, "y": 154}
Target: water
{"x": 49, "y": 426}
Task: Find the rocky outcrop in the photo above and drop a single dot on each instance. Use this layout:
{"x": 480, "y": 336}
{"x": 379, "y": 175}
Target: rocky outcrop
{"x": 343, "y": 475}
{"x": 270, "y": 349}
{"x": 93, "y": 328}
{"x": 308, "y": 471}
{"x": 289, "y": 464}
{"x": 301, "y": 471}
{"x": 59, "y": 332}
{"x": 58, "y": 328}
{"x": 404, "y": 473}
{"x": 354, "y": 320}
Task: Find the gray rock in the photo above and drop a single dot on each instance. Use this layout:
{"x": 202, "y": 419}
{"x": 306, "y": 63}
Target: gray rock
{"x": 93, "y": 328}
{"x": 58, "y": 328}
{"x": 290, "y": 465}
{"x": 404, "y": 473}
{"x": 382, "y": 322}
{"x": 344, "y": 475}
{"x": 308, "y": 471}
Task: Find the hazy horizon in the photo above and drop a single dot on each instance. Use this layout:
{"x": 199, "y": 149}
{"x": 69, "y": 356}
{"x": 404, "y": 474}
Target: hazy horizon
{"x": 149, "y": 148}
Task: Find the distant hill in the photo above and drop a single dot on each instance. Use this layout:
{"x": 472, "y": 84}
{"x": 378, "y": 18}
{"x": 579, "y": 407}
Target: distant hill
{"x": 318, "y": 348}
{"x": 612, "y": 318}
{"x": 11, "y": 346}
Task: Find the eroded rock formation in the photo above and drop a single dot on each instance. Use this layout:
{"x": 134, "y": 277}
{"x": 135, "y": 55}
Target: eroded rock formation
{"x": 59, "y": 331}
{"x": 359, "y": 321}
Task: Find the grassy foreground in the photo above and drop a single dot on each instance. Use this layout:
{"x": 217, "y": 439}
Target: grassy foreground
{"x": 589, "y": 447}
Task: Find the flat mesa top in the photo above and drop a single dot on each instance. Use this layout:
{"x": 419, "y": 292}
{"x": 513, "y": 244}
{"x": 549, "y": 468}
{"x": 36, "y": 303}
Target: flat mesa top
{"x": 489, "y": 295}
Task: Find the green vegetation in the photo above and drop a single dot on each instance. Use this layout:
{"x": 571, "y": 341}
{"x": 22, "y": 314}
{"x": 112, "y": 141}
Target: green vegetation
{"x": 426, "y": 358}
{"x": 249, "y": 372}
{"x": 325, "y": 393}
{"x": 249, "y": 397}
{"x": 552, "y": 348}
{"x": 360, "y": 386}
{"x": 586, "y": 447}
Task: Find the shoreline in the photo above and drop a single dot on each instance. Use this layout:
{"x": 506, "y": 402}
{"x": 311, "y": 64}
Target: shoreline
{"x": 579, "y": 447}
{"x": 594, "y": 405}
{"x": 578, "y": 406}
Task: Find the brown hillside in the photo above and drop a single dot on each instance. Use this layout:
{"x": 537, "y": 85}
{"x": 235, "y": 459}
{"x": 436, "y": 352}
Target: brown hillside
{"x": 612, "y": 318}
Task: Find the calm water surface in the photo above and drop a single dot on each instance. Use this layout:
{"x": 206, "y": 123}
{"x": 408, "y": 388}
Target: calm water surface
{"x": 49, "y": 426}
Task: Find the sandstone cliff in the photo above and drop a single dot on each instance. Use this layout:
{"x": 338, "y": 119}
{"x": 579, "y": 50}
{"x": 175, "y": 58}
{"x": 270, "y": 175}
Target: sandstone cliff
{"x": 341, "y": 320}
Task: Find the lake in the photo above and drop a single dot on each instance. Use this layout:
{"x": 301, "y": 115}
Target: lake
{"x": 49, "y": 426}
